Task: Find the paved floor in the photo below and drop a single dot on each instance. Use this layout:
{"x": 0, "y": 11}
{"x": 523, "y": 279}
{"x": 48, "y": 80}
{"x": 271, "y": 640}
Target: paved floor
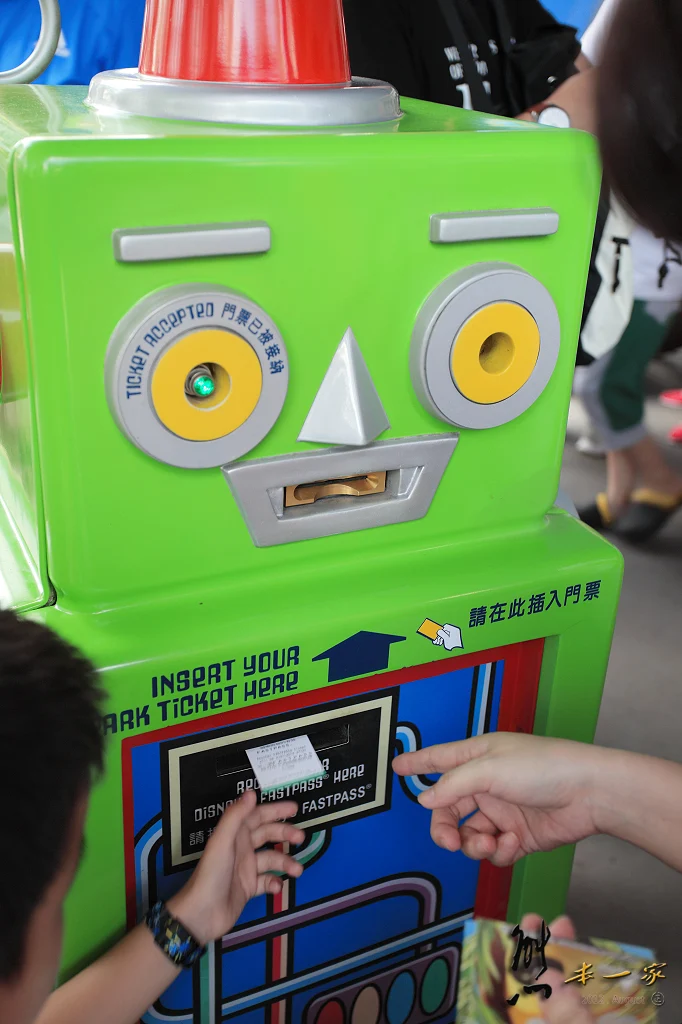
{"x": 617, "y": 891}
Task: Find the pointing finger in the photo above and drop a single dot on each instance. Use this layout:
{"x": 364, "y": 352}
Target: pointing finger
{"x": 469, "y": 779}
{"x": 441, "y": 758}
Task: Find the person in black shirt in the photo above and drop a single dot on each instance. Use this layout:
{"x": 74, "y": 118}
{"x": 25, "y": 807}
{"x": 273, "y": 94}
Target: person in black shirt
{"x": 409, "y": 43}
{"x": 457, "y": 52}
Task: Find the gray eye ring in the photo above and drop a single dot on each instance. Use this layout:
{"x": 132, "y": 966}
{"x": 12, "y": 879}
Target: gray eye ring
{"x": 149, "y": 330}
{"x": 437, "y": 327}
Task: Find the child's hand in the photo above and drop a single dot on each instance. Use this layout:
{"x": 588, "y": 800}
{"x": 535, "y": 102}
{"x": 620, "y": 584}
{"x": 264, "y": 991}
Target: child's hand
{"x": 231, "y": 872}
{"x": 529, "y": 793}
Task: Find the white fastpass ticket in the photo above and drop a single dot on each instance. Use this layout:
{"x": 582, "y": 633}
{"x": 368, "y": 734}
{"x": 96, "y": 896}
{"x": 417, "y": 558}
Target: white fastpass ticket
{"x": 284, "y": 763}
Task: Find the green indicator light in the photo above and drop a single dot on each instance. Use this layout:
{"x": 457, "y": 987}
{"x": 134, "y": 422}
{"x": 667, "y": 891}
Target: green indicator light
{"x": 203, "y": 386}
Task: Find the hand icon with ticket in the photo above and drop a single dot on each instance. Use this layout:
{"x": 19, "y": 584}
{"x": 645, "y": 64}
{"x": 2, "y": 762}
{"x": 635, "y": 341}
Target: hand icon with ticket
{"x": 449, "y": 637}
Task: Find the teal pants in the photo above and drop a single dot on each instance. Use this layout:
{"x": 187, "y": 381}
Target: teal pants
{"x": 612, "y": 387}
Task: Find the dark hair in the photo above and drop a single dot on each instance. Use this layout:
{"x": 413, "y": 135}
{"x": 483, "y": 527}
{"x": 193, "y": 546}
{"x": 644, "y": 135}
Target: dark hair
{"x": 639, "y": 101}
{"x": 50, "y": 745}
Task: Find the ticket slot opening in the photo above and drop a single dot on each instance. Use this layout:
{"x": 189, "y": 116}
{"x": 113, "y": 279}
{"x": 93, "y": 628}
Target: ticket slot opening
{"x": 325, "y": 737}
{"x": 347, "y": 486}
{"x": 203, "y": 775}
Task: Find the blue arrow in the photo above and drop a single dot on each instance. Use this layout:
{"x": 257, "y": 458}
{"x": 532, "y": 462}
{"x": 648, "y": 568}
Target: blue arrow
{"x": 358, "y": 655}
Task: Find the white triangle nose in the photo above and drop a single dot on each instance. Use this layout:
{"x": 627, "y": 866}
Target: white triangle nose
{"x": 347, "y": 408}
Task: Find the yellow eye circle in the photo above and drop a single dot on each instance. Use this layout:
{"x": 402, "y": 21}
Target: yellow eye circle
{"x": 232, "y": 367}
{"x": 495, "y": 353}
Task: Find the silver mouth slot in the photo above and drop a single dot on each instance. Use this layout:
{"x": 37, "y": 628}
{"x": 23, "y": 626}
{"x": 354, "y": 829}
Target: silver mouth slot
{"x": 414, "y": 468}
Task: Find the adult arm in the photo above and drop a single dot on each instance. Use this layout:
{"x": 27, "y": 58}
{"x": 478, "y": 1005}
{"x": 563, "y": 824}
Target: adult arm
{"x": 530, "y": 793}
{"x": 577, "y": 94}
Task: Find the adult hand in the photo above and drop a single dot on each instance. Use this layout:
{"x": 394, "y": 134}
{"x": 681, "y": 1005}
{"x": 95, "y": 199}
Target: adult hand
{"x": 525, "y": 793}
{"x": 231, "y": 871}
{"x": 565, "y": 1005}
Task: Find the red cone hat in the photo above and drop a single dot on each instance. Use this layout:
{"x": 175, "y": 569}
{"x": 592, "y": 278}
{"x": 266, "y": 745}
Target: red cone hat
{"x": 249, "y": 42}
{"x": 259, "y": 62}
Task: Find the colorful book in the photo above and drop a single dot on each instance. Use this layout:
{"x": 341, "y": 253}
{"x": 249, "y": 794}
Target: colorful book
{"x": 499, "y": 981}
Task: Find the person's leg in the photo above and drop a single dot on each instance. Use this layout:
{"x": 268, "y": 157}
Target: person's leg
{"x": 588, "y": 443}
{"x": 607, "y": 309}
{"x": 656, "y": 499}
{"x": 654, "y": 489}
{"x": 620, "y": 467}
{"x": 643, "y": 463}
{"x": 622, "y": 392}
{"x": 612, "y": 390}
{"x": 621, "y": 479}
{"x": 653, "y": 471}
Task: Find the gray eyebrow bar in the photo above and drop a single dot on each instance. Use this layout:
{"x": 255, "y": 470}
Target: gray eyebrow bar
{"x": 192, "y": 241}
{"x": 479, "y": 225}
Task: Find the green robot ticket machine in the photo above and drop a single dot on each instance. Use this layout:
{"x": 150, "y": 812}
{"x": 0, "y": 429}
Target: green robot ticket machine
{"x": 286, "y": 364}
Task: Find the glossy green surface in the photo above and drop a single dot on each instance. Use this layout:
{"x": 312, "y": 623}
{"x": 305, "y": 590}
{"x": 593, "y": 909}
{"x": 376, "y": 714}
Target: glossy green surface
{"x": 114, "y": 536}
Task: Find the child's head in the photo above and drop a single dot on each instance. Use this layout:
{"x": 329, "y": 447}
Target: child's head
{"x": 640, "y": 112}
{"x": 50, "y": 746}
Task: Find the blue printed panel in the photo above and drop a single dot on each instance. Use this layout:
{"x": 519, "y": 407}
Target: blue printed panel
{"x": 375, "y": 922}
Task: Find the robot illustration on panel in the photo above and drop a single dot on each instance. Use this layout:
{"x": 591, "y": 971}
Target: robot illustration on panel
{"x": 379, "y": 911}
